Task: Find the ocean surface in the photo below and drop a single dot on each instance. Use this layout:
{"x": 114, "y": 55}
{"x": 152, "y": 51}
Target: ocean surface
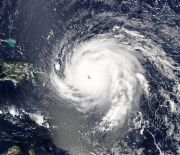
{"x": 112, "y": 77}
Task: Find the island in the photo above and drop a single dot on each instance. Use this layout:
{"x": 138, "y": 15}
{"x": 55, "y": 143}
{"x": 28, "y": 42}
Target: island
{"x": 11, "y": 42}
{"x": 31, "y": 152}
{"x": 16, "y": 71}
{"x": 13, "y": 151}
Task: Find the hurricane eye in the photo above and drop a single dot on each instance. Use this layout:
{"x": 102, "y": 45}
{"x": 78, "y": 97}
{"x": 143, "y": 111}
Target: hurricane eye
{"x": 89, "y": 76}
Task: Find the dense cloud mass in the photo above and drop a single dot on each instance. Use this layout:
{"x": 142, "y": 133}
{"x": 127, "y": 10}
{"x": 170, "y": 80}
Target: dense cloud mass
{"x": 104, "y": 73}
{"x": 115, "y": 67}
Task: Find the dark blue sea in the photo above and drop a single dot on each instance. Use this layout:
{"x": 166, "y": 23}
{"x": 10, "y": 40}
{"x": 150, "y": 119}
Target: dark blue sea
{"x": 30, "y": 22}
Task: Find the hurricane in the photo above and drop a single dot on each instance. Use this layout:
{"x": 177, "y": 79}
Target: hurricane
{"x": 103, "y": 73}
{"x": 109, "y": 66}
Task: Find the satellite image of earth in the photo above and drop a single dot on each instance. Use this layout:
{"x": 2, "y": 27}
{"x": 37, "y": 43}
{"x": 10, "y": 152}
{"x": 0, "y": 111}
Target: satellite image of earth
{"x": 89, "y": 77}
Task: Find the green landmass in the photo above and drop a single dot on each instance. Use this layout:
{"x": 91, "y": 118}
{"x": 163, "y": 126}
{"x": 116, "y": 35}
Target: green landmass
{"x": 13, "y": 151}
{"x": 17, "y": 71}
{"x": 31, "y": 152}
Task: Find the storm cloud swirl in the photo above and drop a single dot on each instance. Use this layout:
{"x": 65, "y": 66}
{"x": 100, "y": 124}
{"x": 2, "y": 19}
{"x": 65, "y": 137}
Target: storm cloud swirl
{"x": 111, "y": 66}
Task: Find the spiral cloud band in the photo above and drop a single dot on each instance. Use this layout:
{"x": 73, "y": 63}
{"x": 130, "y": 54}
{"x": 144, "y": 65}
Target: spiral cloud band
{"x": 115, "y": 79}
{"x": 107, "y": 70}
{"x": 103, "y": 73}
